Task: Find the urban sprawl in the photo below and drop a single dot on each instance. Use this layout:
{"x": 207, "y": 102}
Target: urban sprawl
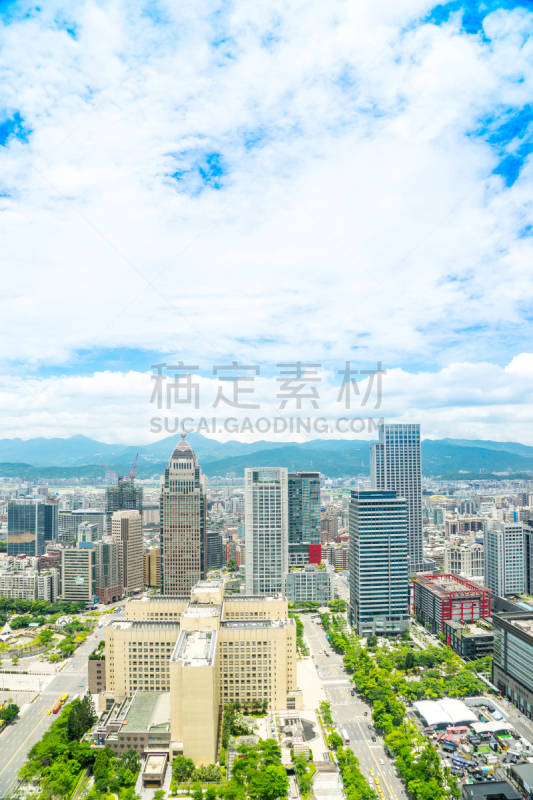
{"x": 284, "y": 634}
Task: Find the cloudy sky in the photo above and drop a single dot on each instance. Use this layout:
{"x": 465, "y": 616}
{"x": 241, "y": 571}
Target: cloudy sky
{"x": 321, "y": 181}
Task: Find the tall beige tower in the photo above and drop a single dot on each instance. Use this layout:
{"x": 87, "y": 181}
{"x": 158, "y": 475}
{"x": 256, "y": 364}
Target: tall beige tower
{"x": 126, "y": 528}
{"x": 183, "y": 522}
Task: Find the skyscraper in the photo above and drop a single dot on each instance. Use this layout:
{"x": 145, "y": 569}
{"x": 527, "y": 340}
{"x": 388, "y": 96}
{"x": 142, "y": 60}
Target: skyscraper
{"x": 125, "y": 496}
{"x": 51, "y": 521}
{"x": 183, "y": 522}
{"x": 126, "y": 529}
{"x": 304, "y": 514}
{"x": 266, "y": 529}
{"x": 505, "y": 564}
{"x": 25, "y": 527}
{"x": 396, "y": 464}
{"x": 379, "y": 582}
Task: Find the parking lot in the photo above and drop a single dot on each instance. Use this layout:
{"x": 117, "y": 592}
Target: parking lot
{"x": 483, "y": 754}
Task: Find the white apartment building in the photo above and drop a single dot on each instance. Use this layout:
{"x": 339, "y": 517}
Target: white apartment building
{"x": 464, "y": 559}
{"x": 29, "y": 584}
{"x": 396, "y": 464}
{"x": 504, "y": 565}
{"x": 266, "y": 529}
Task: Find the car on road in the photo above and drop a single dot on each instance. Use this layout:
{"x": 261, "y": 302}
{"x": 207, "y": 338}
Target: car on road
{"x": 320, "y": 652}
{"x": 374, "y": 739}
{"x": 370, "y": 727}
{"x": 370, "y": 771}
{"x": 327, "y": 655}
{"x": 381, "y": 762}
{"x": 366, "y": 713}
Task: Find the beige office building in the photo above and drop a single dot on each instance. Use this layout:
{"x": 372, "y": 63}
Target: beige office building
{"x": 205, "y": 652}
{"x": 126, "y": 529}
{"x": 152, "y": 567}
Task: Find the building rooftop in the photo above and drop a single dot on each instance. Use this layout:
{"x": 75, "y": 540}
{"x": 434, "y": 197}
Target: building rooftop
{"x": 469, "y": 628}
{"x": 254, "y": 598}
{"x": 147, "y": 625}
{"x": 195, "y": 648}
{"x": 490, "y": 790}
{"x": 165, "y": 598}
{"x": 201, "y": 610}
{"x": 445, "y": 585}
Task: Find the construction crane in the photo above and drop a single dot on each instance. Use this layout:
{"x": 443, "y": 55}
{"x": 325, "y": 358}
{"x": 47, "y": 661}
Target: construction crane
{"x": 114, "y": 475}
{"x": 131, "y": 474}
{"x": 119, "y": 478}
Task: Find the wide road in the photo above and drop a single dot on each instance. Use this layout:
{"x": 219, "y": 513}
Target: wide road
{"x": 349, "y": 713}
{"x": 21, "y": 736}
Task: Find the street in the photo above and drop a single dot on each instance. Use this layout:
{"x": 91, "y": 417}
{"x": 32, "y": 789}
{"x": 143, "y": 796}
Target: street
{"x": 349, "y": 713}
{"x": 21, "y": 736}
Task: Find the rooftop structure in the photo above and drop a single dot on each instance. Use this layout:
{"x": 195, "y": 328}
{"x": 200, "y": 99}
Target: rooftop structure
{"x": 444, "y": 712}
{"x": 449, "y": 597}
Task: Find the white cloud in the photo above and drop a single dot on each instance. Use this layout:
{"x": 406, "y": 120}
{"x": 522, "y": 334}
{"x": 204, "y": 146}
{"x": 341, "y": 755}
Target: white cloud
{"x": 357, "y": 216}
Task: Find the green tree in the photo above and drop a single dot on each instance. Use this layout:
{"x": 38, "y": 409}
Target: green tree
{"x": 269, "y": 783}
{"x": 231, "y": 565}
{"x": 9, "y": 713}
{"x": 182, "y": 768}
{"x": 335, "y": 741}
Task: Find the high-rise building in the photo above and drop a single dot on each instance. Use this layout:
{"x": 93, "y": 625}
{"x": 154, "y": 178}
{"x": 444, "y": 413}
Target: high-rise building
{"x": 214, "y": 550}
{"x": 304, "y": 514}
{"x": 25, "y": 527}
{"x": 183, "y": 522}
{"x": 512, "y": 662}
{"x": 125, "y": 496}
{"x": 152, "y": 567}
{"x": 70, "y": 520}
{"x": 51, "y": 521}
{"x": 108, "y": 580}
{"x": 88, "y": 532}
{"x": 267, "y": 529}
{"x": 126, "y": 529}
{"x": 379, "y": 582}
{"x": 396, "y": 464}
{"x": 503, "y": 545}
{"x": 77, "y": 576}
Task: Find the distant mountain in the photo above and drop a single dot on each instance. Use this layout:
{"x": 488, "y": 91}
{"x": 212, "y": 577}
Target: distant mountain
{"x": 335, "y": 457}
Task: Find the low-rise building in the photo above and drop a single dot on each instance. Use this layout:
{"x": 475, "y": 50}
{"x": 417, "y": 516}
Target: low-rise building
{"x": 438, "y": 598}
{"x": 469, "y": 640}
{"x": 96, "y": 674}
{"x": 310, "y": 585}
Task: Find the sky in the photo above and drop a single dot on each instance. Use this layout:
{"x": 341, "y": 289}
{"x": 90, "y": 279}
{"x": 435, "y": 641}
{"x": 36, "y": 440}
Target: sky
{"x": 323, "y": 182}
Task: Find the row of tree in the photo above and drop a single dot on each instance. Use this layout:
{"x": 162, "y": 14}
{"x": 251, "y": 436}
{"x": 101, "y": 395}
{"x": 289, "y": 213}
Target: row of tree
{"x": 419, "y": 764}
{"x": 57, "y": 759}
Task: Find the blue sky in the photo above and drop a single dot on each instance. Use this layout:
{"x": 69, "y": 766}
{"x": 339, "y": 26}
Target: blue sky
{"x": 292, "y": 181}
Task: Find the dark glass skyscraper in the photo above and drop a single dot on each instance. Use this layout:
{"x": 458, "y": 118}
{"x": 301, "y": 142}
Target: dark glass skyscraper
{"x": 304, "y": 507}
{"x": 25, "y": 527}
{"x": 123, "y": 497}
{"x": 51, "y": 521}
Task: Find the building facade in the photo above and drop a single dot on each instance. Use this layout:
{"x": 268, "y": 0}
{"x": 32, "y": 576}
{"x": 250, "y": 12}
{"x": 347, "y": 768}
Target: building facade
{"x": 204, "y": 659}
{"x": 467, "y": 559}
{"x": 25, "y": 527}
{"x": 512, "y": 660}
{"x": 126, "y": 529}
{"x": 310, "y": 585}
{"x": 125, "y": 496}
{"x": 77, "y": 576}
{"x": 379, "y": 584}
{"x": 152, "y": 567}
{"x": 183, "y": 522}
{"x": 303, "y": 490}
{"x": 504, "y": 565}
{"x": 396, "y": 465}
{"x": 108, "y": 579}
{"x": 51, "y": 521}
{"x": 441, "y": 597}
{"x": 215, "y": 552}
{"x": 469, "y": 640}
{"x": 267, "y": 529}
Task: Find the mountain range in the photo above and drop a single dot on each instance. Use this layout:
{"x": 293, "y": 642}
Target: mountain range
{"x": 80, "y": 456}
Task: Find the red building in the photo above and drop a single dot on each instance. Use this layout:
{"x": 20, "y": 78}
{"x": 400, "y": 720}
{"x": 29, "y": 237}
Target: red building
{"x": 315, "y": 554}
{"x": 449, "y": 597}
